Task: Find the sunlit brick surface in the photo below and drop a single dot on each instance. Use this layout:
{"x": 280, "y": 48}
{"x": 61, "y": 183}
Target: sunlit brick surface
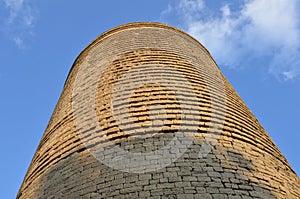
{"x": 154, "y": 81}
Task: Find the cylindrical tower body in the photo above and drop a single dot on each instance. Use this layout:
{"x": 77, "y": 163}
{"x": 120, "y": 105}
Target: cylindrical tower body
{"x": 146, "y": 113}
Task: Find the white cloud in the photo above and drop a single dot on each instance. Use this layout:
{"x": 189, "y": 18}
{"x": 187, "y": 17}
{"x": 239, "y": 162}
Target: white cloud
{"x": 21, "y": 20}
{"x": 14, "y": 6}
{"x": 190, "y": 7}
{"x": 167, "y": 11}
{"x": 19, "y": 42}
{"x": 256, "y": 30}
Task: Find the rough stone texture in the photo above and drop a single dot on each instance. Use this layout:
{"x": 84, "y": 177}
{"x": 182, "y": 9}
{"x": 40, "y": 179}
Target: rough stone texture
{"x": 242, "y": 163}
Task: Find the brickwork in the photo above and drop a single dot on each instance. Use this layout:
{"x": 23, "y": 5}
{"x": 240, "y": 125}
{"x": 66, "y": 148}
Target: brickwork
{"x": 154, "y": 84}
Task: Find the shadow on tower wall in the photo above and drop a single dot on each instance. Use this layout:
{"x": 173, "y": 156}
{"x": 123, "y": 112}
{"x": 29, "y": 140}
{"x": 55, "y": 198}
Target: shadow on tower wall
{"x": 223, "y": 173}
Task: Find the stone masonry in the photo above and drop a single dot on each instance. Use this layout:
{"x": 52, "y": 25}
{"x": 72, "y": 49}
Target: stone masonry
{"x": 146, "y": 113}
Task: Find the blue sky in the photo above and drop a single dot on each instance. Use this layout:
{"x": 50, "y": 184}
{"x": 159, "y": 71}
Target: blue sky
{"x": 256, "y": 43}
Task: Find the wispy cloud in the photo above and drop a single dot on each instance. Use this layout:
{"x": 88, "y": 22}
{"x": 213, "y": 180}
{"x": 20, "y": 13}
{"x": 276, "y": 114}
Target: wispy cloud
{"x": 19, "y": 42}
{"x": 20, "y": 20}
{"x": 254, "y": 31}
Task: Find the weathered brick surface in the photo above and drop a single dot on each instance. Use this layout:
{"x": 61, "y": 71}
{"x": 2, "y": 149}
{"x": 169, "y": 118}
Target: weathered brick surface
{"x": 243, "y": 163}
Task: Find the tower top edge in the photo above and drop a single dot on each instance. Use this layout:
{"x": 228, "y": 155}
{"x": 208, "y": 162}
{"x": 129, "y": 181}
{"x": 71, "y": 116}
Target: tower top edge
{"x": 133, "y": 25}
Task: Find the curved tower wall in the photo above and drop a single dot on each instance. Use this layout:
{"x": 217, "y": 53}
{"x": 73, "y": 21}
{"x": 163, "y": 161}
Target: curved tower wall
{"x": 146, "y": 113}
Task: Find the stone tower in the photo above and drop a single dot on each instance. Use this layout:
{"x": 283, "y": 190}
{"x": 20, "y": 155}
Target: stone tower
{"x": 146, "y": 113}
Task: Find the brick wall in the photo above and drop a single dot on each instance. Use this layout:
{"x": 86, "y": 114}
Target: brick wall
{"x": 146, "y": 113}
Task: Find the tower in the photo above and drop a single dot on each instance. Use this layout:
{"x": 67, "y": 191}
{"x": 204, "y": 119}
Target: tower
{"x": 146, "y": 113}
